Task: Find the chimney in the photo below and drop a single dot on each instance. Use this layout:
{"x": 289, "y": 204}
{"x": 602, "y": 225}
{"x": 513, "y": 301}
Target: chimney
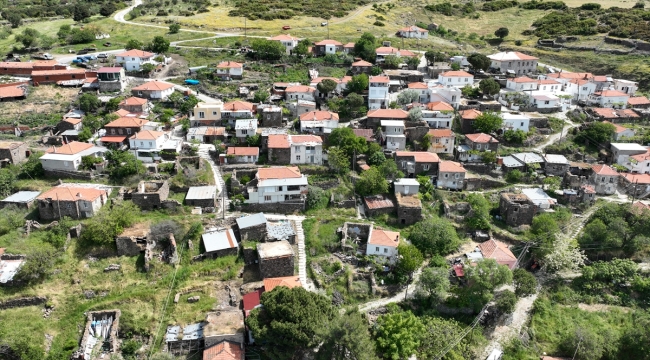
{"x": 79, "y": 195}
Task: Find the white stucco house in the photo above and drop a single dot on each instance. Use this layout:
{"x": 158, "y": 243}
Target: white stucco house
{"x": 277, "y": 184}
{"x": 458, "y": 79}
{"x": 543, "y": 99}
{"x": 227, "y": 70}
{"x": 515, "y": 122}
{"x": 521, "y": 83}
{"x": 245, "y": 128}
{"x": 378, "y": 92}
{"x": 289, "y": 42}
{"x": 300, "y": 92}
{"x": 413, "y": 32}
{"x": 609, "y": 99}
{"x": 580, "y": 89}
{"x": 423, "y": 91}
{"x": 513, "y": 62}
{"x": 406, "y": 186}
{"x": 626, "y": 86}
{"x": 133, "y": 59}
{"x": 146, "y": 145}
{"x": 383, "y": 244}
{"x": 446, "y": 93}
{"x": 306, "y": 149}
{"x": 392, "y": 134}
{"x": 451, "y": 175}
{"x": 319, "y": 122}
{"x": 153, "y": 90}
{"x": 439, "y": 115}
{"x": 68, "y": 157}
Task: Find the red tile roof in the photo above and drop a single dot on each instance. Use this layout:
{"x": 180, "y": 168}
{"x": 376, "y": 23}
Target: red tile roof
{"x": 547, "y": 82}
{"x": 470, "y": 114}
{"x": 417, "y": 85}
{"x": 278, "y": 172}
{"x": 458, "y": 73}
{"x": 112, "y": 139}
{"x": 288, "y": 281}
{"x": 641, "y": 157}
{"x": 237, "y": 106}
{"x": 610, "y": 113}
{"x": 498, "y": 251}
{"x": 637, "y": 206}
{"x": 72, "y": 148}
{"x": 243, "y": 151}
{"x": 361, "y": 63}
{"x": 58, "y": 72}
{"x": 225, "y": 350}
{"x": 368, "y": 134}
{"x": 603, "y": 169}
{"x": 215, "y": 131}
{"x": 127, "y": 122}
{"x": 383, "y": 50}
{"x": 349, "y": 45}
{"x": 638, "y": 100}
{"x": 319, "y": 116}
{"x": 588, "y": 189}
{"x": 154, "y": 86}
{"x": 300, "y": 88}
{"x": 439, "y": 106}
{"x": 643, "y": 179}
{"x": 121, "y": 113}
{"x": 251, "y": 300}
{"x": 147, "y": 135}
{"x": 64, "y": 193}
{"x": 11, "y": 92}
{"x": 229, "y": 65}
{"x": 73, "y": 121}
{"x": 481, "y": 138}
{"x": 619, "y": 128}
{"x": 384, "y": 238}
{"x": 279, "y": 141}
{"x": 133, "y": 101}
{"x": 110, "y": 69}
{"x": 378, "y": 79}
{"x": 438, "y": 133}
{"x": 523, "y": 79}
{"x": 610, "y": 93}
{"x": 136, "y": 53}
{"x": 300, "y": 139}
{"x": 388, "y": 114}
{"x": 378, "y": 202}
{"x": 419, "y": 156}
{"x": 570, "y": 75}
{"x": 328, "y": 42}
{"x": 413, "y": 28}
{"x": 284, "y": 37}
{"x": 451, "y": 166}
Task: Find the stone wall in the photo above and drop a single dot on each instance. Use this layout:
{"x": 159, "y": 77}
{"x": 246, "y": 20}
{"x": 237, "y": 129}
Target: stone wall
{"x": 50, "y": 210}
{"x": 130, "y": 245}
{"x": 277, "y": 267}
{"x": 538, "y": 122}
{"x": 286, "y": 207}
{"x": 257, "y": 233}
{"x": 83, "y": 175}
{"x": 113, "y": 335}
{"x": 342, "y": 203}
{"x": 408, "y": 215}
{"x": 483, "y": 107}
{"x": 223, "y": 252}
{"x": 250, "y": 256}
{"x": 461, "y": 207}
{"x": 23, "y": 302}
{"x": 149, "y": 200}
{"x": 203, "y": 203}
{"x": 482, "y": 183}
{"x": 416, "y": 133}
{"x": 280, "y": 156}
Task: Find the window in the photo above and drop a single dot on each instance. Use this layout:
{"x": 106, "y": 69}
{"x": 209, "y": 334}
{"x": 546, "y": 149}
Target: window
{"x": 214, "y": 113}
{"x": 150, "y": 144}
{"x": 128, "y": 131}
{"x": 201, "y": 115}
{"x": 446, "y": 141}
{"x": 602, "y": 179}
{"x": 244, "y": 132}
{"x": 396, "y": 129}
{"x": 478, "y": 146}
{"x": 522, "y": 124}
{"x": 426, "y": 167}
{"x": 449, "y": 80}
{"x": 113, "y": 131}
{"x": 547, "y": 102}
{"x": 65, "y": 163}
{"x": 377, "y": 248}
{"x": 267, "y": 198}
{"x": 611, "y": 180}
{"x": 466, "y": 79}
{"x": 446, "y": 176}
{"x": 297, "y": 157}
{"x": 385, "y": 250}
{"x": 457, "y": 176}
{"x": 47, "y": 78}
{"x": 279, "y": 188}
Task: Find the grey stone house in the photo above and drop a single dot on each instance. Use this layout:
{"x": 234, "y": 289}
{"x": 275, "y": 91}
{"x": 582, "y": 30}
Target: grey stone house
{"x": 202, "y": 196}
{"x": 73, "y": 202}
{"x": 151, "y": 194}
{"x": 516, "y": 209}
{"x": 271, "y": 116}
{"x": 220, "y": 243}
{"x": 279, "y": 149}
{"x": 13, "y": 152}
{"x": 409, "y": 209}
{"x": 556, "y": 165}
{"x": 413, "y": 163}
{"x": 604, "y": 179}
{"x": 276, "y": 259}
{"x": 252, "y": 227}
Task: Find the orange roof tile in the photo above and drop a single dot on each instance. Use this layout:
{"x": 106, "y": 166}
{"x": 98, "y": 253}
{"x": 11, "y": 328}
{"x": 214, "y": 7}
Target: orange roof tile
{"x": 438, "y": 133}
{"x": 643, "y": 179}
{"x": 237, "y": 106}
{"x": 154, "y": 86}
{"x": 451, "y": 166}
{"x": 361, "y": 63}
{"x": 637, "y": 206}
{"x": 378, "y": 202}
{"x": 279, "y": 141}
{"x": 349, "y": 45}
{"x": 378, "y": 79}
{"x": 547, "y": 82}
{"x": 136, "y": 53}
{"x": 288, "y": 281}
{"x": 638, "y": 100}
{"x": 382, "y": 50}
{"x": 368, "y": 134}
{"x": 498, "y": 251}
{"x": 121, "y": 113}
{"x": 243, "y": 151}
{"x": 225, "y": 350}
{"x": 73, "y": 121}
{"x": 284, "y": 37}
{"x": 641, "y": 157}
{"x": 570, "y": 75}
{"x": 319, "y": 79}
{"x": 439, "y": 106}
{"x": 414, "y": 28}
{"x": 300, "y": 88}
{"x": 328, "y": 42}
{"x": 127, "y": 122}
{"x": 523, "y": 79}
{"x": 619, "y": 128}
{"x": 319, "y": 116}
{"x": 64, "y": 193}
{"x": 215, "y": 131}
{"x": 420, "y": 156}
{"x": 133, "y": 101}
{"x": 279, "y": 172}
{"x": 229, "y": 65}
{"x": 481, "y": 138}
{"x": 58, "y": 72}
{"x": 11, "y": 92}
{"x": 603, "y": 169}
{"x": 611, "y": 93}
{"x": 301, "y": 139}
{"x": 470, "y": 114}
{"x": 417, "y": 85}
{"x": 72, "y": 148}
{"x": 458, "y": 73}
{"x": 388, "y": 114}
{"x": 147, "y": 135}
{"x": 384, "y": 238}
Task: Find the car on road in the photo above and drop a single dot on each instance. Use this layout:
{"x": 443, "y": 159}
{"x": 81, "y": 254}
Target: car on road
{"x": 81, "y": 59}
{"x": 90, "y": 57}
{"x": 286, "y": 27}
{"x": 102, "y": 56}
{"x": 77, "y": 61}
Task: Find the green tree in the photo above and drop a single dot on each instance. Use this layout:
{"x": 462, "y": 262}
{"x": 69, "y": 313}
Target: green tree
{"x": 346, "y": 337}
{"x": 122, "y": 164}
{"x": 254, "y": 140}
{"x": 596, "y": 133}
{"x": 355, "y": 104}
{"x": 515, "y": 136}
{"x": 371, "y": 182}
{"x": 159, "y": 45}
{"x": 433, "y": 285}
{"x": 113, "y": 104}
{"x": 188, "y": 104}
{"x": 489, "y": 87}
{"x": 413, "y": 62}
{"x": 501, "y": 32}
{"x": 108, "y": 223}
{"x": 488, "y": 122}
{"x": 345, "y": 139}
{"x": 488, "y": 275}
{"x": 480, "y": 217}
{"x": 415, "y": 114}
{"x": 302, "y": 48}
{"x": 506, "y": 302}
{"x": 78, "y": 36}
{"x": 134, "y": 44}
{"x": 376, "y": 159}
{"x": 38, "y": 265}
{"x": 439, "y": 333}
{"x": 29, "y": 37}
{"x": 479, "y": 61}
{"x": 525, "y": 282}
{"x": 433, "y": 56}
{"x": 32, "y": 168}
{"x": 15, "y": 19}
{"x": 358, "y": 84}
{"x": 289, "y": 321}
{"x": 435, "y": 236}
{"x": 585, "y": 344}
{"x": 174, "y": 28}
{"x": 488, "y": 157}
{"x": 261, "y": 96}
{"x": 398, "y": 335}
{"x": 407, "y": 97}
{"x": 389, "y": 170}
{"x": 85, "y": 134}
{"x": 89, "y": 103}
{"x": 514, "y": 176}
{"x": 365, "y": 47}
{"x": 326, "y": 86}
{"x": 317, "y": 198}
{"x": 338, "y": 160}
{"x": 470, "y": 91}
{"x": 107, "y": 9}
{"x": 7, "y": 178}
{"x": 410, "y": 259}
{"x": 64, "y": 31}
{"x": 267, "y": 49}
{"x": 543, "y": 228}
{"x": 455, "y": 66}
{"x": 392, "y": 62}
{"x": 425, "y": 143}
{"x": 553, "y": 182}
{"x": 81, "y": 12}
{"x": 635, "y": 341}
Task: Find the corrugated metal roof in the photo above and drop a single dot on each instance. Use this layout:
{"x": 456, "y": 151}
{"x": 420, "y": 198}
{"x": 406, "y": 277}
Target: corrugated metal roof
{"x": 201, "y": 192}
{"x": 219, "y": 240}
{"x": 22, "y": 196}
{"x": 378, "y": 202}
{"x": 245, "y": 222}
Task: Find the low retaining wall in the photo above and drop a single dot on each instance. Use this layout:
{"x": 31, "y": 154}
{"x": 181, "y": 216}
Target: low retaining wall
{"x": 279, "y": 208}
{"x": 22, "y": 302}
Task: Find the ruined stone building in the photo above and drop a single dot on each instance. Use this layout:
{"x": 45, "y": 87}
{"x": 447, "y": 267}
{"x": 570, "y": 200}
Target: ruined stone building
{"x": 409, "y": 209}
{"x": 13, "y": 152}
{"x": 276, "y": 259}
{"x": 151, "y": 194}
{"x": 516, "y": 209}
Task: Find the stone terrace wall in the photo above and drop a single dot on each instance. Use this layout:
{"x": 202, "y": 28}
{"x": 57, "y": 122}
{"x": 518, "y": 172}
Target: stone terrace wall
{"x": 22, "y": 302}
{"x": 286, "y": 207}
{"x": 277, "y": 267}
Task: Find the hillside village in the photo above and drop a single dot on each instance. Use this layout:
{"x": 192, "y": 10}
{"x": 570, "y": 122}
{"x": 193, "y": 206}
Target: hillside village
{"x": 417, "y": 205}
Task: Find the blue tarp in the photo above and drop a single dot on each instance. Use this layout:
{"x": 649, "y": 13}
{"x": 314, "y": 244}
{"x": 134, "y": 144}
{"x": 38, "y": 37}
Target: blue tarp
{"x": 191, "y": 82}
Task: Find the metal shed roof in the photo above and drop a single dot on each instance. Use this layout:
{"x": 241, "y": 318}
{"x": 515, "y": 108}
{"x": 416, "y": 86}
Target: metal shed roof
{"x": 201, "y": 192}
{"x": 245, "y": 222}
{"x": 219, "y": 240}
{"x": 22, "y": 197}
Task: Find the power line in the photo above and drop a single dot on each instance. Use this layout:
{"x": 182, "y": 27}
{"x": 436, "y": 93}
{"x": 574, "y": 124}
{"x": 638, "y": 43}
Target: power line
{"x": 471, "y": 327}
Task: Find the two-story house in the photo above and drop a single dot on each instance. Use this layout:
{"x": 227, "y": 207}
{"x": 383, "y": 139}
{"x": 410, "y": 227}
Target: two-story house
{"x": 521, "y": 83}
{"x": 621, "y": 152}
{"x": 240, "y": 155}
{"x": 153, "y": 90}
{"x": 513, "y": 62}
{"x": 289, "y": 42}
{"x": 474, "y": 145}
{"x": 319, "y": 122}
{"x": 361, "y": 67}
{"x": 442, "y": 141}
{"x": 327, "y": 46}
{"x": 439, "y": 115}
{"x": 234, "y": 110}
{"x": 542, "y": 99}
{"x": 306, "y": 149}
{"x": 245, "y": 128}
{"x": 604, "y": 179}
{"x": 549, "y": 85}
{"x": 639, "y": 163}
{"x": 555, "y": 164}
{"x": 384, "y": 51}
{"x": 135, "y": 105}
{"x": 378, "y": 92}
{"x": 73, "y": 202}
{"x": 625, "y": 86}
{"x": 451, "y": 175}
{"x": 392, "y": 135}
{"x": 609, "y": 99}
{"x": 413, "y": 32}
{"x": 147, "y": 145}
{"x": 300, "y": 92}
{"x": 275, "y": 185}
{"x": 230, "y": 70}
{"x": 383, "y": 244}
{"x": 68, "y": 157}
{"x": 580, "y": 89}
{"x": 111, "y": 78}
{"x": 467, "y": 118}
{"x": 133, "y": 59}
{"x": 515, "y": 122}
{"x": 375, "y": 117}
{"x": 458, "y": 78}
{"x": 423, "y": 91}
{"x": 207, "y": 114}
{"x": 125, "y": 126}
{"x": 413, "y": 163}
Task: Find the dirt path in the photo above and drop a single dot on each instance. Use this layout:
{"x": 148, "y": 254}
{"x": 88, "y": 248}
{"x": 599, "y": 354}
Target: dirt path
{"x": 555, "y": 137}
{"x": 408, "y": 291}
{"x": 513, "y": 324}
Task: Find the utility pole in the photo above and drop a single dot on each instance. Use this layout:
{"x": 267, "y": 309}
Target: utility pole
{"x": 328, "y": 28}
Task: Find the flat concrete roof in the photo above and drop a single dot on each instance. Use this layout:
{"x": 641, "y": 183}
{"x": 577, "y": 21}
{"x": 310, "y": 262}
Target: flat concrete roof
{"x": 245, "y": 222}
{"x": 22, "y": 197}
{"x": 224, "y": 322}
{"x": 274, "y": 249}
